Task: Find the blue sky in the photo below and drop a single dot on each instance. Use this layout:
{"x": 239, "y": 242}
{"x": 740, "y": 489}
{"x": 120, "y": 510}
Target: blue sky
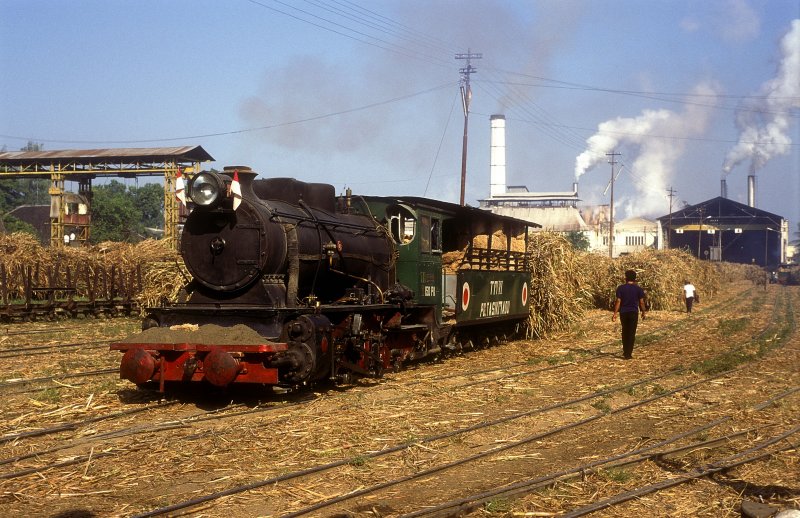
{"x": 364, "y": 94}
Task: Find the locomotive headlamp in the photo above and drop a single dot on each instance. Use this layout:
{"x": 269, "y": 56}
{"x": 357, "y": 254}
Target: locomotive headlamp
{"x": 207, "y": 190}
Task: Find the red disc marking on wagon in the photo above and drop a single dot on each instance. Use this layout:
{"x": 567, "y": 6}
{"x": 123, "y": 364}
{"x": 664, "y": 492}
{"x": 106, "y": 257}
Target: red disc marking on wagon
{"x": 464, "y": 296}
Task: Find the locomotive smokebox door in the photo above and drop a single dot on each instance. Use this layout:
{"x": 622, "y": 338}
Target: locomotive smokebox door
{"x": 223, "y": 250}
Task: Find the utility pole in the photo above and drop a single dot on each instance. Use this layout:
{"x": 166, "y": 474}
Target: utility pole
{"x": 700, "y": 232}
{"x": 613, "y": 162}
{"x": 671, "y": 193}
{"x": 466, "y": 96}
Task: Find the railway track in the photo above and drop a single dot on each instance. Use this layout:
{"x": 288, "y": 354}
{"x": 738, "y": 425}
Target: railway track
{"x": 490, "y": 451}
{"x": 469, "y": 503}
{"x": 36, "y": 350}
{"x": 506, "y": 372}
{"x": 635, "y": 456}
{"x": 364, "y": 494}
{"x": 94, "y": 447}
{"x": 98, "y": 441}
{"x": 749, "y": 455}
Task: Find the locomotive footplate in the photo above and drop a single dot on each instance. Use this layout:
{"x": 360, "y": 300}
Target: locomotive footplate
{"x": 220, "y": 365}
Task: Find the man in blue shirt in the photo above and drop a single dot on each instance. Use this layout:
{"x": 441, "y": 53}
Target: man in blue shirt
{"x": 630, "y": 300}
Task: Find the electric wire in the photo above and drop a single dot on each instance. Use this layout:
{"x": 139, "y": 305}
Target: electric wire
{"x": 439, "y": 149}
{"x": 360, "y": 21}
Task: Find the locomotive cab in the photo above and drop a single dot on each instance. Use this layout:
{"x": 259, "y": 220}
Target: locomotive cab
{"x": 419, "y": 262}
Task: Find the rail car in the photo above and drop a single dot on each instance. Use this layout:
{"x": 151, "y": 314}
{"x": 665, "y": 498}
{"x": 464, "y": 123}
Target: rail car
{"x": 788, "y": 274}
{"x": 292, "y": 285}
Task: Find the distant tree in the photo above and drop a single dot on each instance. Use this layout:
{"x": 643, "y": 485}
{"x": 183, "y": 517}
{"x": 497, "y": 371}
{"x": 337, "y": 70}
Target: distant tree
{"x": 33, "y": 146}
{"x": 149, "y": 200}
{"x": 11, "y": 224}
{"x": 578, "y": 240}
{"x": 121, "y": 213}
{"x": 24, "y": 191}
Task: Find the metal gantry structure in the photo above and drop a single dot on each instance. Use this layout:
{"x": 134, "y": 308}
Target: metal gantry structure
{"x": 69, "y": 222}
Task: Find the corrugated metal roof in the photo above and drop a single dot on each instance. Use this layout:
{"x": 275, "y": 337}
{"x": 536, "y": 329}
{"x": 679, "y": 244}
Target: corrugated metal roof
{"x": 457, "y": 210}
{"x": 635, "y": 223}
{"x": 88, "y": 156}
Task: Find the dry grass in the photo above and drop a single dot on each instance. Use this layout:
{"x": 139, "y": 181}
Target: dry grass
{"x": 182, "y": 457}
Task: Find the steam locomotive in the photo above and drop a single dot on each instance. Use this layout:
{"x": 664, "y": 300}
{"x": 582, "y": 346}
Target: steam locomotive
{"x": 327, "y": 288}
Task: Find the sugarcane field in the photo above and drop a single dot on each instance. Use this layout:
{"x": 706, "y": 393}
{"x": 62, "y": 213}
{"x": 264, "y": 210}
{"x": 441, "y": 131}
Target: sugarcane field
{"x": 701, "y": 422}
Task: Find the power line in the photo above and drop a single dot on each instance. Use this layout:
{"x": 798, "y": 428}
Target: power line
{"x": 247, "y": 130}
{"x": 343, "y": 30}
{"x": 580, "y": 86}
{"x": 439, "y": 149}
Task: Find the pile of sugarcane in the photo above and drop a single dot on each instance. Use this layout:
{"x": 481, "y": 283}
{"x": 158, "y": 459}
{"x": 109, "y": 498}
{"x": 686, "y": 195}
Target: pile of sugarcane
{"x": 453, "y": 261}
{"x": 163, "y": 282}
{"x": 25, "y": 262}
{"x": 559, "y": 291}
{"x": 566, "y": 282}
{"x": 662, "y": 274}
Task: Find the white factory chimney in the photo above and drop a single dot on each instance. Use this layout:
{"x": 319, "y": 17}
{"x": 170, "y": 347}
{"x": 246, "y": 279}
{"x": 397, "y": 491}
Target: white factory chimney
{"x": 723, "y": 188}
{"x": 751, "y": 190}
{"x": 497, "y": 156}
{"x": 575, "y": 188}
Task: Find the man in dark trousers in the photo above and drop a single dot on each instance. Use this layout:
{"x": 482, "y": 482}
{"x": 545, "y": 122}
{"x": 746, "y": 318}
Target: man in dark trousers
{"x": 630, "y": 301}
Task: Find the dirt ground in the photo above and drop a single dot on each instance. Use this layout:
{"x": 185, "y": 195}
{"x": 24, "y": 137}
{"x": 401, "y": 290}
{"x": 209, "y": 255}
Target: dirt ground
{"x": 520, "y": 410}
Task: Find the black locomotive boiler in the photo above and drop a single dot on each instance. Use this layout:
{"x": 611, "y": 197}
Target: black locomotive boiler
{"x": 291, "y": 285}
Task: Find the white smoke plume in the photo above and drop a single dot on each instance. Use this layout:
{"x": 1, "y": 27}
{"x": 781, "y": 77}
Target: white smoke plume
{"x": 764, "y": 121}
{"x": 652, "y": 144}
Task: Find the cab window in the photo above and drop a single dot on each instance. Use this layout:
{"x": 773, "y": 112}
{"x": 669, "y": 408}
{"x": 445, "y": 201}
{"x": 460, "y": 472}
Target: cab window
{"x": 436, "y": 235}
{"x": 402, "y": 227}
{"x": 430, "y": 235}
{"x": 425, "y": 234}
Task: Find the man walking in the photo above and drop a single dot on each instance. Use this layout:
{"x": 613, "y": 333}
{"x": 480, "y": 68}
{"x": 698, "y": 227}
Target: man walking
{"x": 630, "y": 301}
{"x": 689, "y": 295}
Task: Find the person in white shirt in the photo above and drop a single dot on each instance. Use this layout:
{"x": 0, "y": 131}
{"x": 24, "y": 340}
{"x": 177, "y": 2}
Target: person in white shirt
{"x": 689, "y": 293}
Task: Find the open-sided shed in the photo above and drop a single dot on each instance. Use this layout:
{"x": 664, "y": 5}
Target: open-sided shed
{"x": 84, "y": 165}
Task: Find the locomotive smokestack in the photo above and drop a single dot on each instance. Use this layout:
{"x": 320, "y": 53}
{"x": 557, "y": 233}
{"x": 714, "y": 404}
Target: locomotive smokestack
{"x": 246, "y": 177}
{"x": 723, "y": 188}
{"x": 751, "y": 190}
{"x": 497, "y": 155}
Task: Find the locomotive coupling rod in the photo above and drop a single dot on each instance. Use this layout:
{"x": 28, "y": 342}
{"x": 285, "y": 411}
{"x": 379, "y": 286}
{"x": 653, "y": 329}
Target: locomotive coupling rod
{"x": 355, "y": 368}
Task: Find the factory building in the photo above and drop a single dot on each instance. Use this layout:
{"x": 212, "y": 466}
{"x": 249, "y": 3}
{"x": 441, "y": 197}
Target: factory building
{"x": 560, "y": 211}
{"x": 554, "y": 211}
{"x": 726, "y": 230}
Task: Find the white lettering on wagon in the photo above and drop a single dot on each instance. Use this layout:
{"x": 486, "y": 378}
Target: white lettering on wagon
{"x": 496, "y": 308}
